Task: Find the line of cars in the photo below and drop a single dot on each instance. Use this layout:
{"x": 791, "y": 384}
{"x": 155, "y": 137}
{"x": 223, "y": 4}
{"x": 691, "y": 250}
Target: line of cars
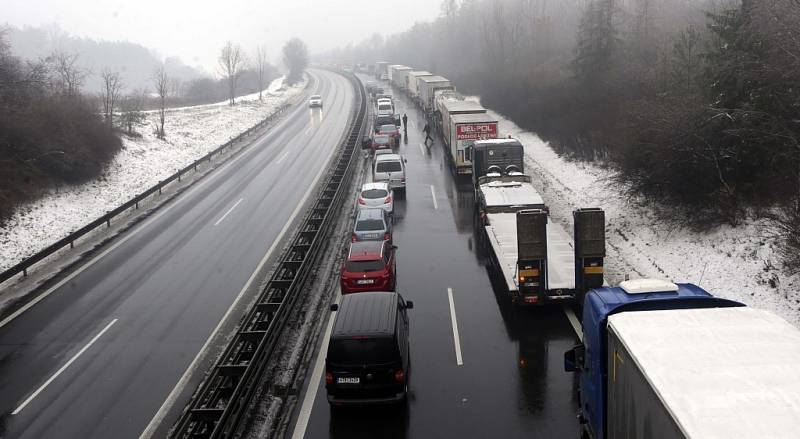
{"x": 368, "y": 357}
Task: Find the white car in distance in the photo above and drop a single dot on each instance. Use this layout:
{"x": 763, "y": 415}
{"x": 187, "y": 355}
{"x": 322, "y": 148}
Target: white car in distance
{"x": 315, "y": 101}
{"x": 376, "y": 196}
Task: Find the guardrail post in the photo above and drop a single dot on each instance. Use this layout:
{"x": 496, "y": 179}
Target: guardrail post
{"x": 108, "y": 218}
{"x": 160, "y": 185}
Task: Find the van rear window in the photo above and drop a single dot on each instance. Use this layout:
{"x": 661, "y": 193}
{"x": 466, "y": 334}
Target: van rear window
{"x": 369, "y": 224}
{"x": 363, "y": 351}
{"x": 374, "y": 193}
{"x": 388, "y": 167}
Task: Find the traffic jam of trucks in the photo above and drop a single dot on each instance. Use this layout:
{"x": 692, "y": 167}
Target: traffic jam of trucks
{"x": 656, "y": 359}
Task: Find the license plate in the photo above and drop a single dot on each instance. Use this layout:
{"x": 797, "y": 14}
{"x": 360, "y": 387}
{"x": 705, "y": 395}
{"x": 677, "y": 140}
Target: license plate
{"x": 374, "y": 235}
{"x": 348, "y": 380}
{"x": 365, "y": 281}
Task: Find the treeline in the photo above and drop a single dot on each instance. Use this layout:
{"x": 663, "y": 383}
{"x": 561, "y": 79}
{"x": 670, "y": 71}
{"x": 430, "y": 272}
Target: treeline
{"x": 49, "y": 134}
{"x": 695, "y": 103}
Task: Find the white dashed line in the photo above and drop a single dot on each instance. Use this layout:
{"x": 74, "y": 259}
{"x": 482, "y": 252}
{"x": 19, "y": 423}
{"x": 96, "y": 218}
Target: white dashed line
{"x": 63, "y": 368}
{"x": 456, "y": 339}
{"x": 433, "y": 194}
{"x": 229, "y": 211}
{"x": 282, "y": 157}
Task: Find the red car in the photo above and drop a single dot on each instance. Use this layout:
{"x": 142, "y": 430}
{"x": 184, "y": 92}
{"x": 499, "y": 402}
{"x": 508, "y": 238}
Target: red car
{"x": 391, "y": 130}
{"x": 370, "y": 266}
{"x": 382, "y": 142}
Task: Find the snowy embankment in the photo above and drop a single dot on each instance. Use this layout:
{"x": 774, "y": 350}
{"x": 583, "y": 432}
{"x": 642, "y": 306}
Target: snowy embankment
{"x": 191, "y": 133}
{"x": 738, "y": 263}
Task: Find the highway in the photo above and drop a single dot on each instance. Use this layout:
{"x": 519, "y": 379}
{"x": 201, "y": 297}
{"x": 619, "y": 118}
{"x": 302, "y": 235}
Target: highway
{"x": 491, "y": 371}
{"x": 100, "y": 355}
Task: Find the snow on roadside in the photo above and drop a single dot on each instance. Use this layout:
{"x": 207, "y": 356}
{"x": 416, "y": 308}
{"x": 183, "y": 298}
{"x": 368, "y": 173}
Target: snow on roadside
{"x": 141, "y": 163}
{"x": 738, "y": 263}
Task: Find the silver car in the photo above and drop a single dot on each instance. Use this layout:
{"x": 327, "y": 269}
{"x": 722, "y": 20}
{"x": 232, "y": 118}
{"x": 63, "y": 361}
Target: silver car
{"x": 376, "y": 195}
{"x": 390, "y": 168}
{"x": 372, "y": 225}
{"x": 315, "y": 101}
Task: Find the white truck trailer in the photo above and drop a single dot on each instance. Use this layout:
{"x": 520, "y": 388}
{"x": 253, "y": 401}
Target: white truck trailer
{"x": 462, "y": 131}
{"x": 448, "y": 105}
{"x": 427, "y": 86}
{"x": 399, "y": 75}
{"x": 412, "y": 81}
{"x": 538, "y": 260}
{"x": 390, "y": 71}
{"x": 381, "y": 68}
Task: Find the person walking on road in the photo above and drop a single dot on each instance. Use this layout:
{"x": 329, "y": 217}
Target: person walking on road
{"x": 405, "y": 122}
{"x": 427, "y": 131}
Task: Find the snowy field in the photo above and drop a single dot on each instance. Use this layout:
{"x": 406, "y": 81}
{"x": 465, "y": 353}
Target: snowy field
{"x": 191, "y": 133}
{"x": 738, "y": 263}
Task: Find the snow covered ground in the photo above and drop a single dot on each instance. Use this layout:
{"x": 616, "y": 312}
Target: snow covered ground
{"x": 191, "y": 133}
{"x": 738, "y": 263}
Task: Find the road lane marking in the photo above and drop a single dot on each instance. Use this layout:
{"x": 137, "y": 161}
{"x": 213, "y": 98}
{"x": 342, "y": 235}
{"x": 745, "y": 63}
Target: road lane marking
{"x": 63, "y": 368}
{"x": 283, "y": 156}
{"x": 573, "y": 320}
{"x": 411, "y": 124}
{"x": 178, "y": 389}
{"x": 229, "y": 211}
{"x": 456, "y": 339}
{"x": 433, "y": 194}
{"x": 160, "y": 211}
{"x": 311, "y": 392}
{"x": 421, "y": 149}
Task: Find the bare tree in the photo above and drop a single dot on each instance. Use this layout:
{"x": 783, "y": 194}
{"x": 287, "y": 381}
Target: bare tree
{"x": 112, "y": 87}
{"x": 69, "y": 77}
{"x": 132, "y": 114}
{"x": 231, "y": 62}
{"x": 261, "y": 64}
{"x": 295, "y": 57}
{"x": 162, "y": 84}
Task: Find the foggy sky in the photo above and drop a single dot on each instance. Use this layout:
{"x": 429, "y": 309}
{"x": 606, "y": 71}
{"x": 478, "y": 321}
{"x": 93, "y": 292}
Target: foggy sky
{"x": 196, "y": 30}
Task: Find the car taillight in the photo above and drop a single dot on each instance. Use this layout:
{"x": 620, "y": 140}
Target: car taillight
{"x": 399, "y": 376}
{"x": 403, "y": 180}
{"x": 387, "y": 236}
{"x": 354, "y": 238}
{"x": 329, "y": 377}
{"x": 361, "y": 201}
{"x": 387, "y": 199}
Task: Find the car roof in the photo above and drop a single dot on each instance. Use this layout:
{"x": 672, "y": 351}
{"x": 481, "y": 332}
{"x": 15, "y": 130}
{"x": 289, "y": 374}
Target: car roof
{"x": 385, "y": 113}
{"x": 389, "y": 125}
{"x": 315, "y": 96}
{"x": 383, "y": 152}
{"x": 382, "y": 136}
{"x": 373, "y": 313}
{"x": 388, "y": 158}
{"x": 370, "y": 214}
{"x": 366, "y": 251}
{"x": 375, "y": 185}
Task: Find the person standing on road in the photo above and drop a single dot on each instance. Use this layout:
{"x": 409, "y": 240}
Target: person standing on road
{"x": 405, "y": 122}
{"x": 427, "y": 131}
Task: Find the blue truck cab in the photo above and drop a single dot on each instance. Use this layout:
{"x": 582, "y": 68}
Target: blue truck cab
{"x": 590, "y": 359}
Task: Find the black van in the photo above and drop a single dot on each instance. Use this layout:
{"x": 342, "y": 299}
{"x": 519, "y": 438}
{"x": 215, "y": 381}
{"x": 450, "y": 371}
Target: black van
{"x": 368, "y": 354}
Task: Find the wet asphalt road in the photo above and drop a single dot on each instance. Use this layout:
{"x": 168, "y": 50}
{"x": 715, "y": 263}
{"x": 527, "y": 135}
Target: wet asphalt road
{"x": 511, "y": 383}
{"x": 135, "y": 320}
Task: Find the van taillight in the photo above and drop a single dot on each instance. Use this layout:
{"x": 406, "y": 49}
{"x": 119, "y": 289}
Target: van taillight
{"x": 387, "y": 236}
{"x": 387, "y": 199}
{"x": 400, "y": 376}
{"x": 329, "y": 377}
{"x": 354, "y": 238}
{"x": 361, "y": 201}
{"x": 403, "y": 180}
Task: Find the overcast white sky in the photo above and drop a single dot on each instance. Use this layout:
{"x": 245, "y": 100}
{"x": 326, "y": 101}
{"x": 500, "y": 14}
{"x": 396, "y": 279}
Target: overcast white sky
{"x": 195, "y": 30}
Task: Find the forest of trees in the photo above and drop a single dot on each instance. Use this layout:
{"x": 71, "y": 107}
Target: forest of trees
{"x": 694, "y": 103}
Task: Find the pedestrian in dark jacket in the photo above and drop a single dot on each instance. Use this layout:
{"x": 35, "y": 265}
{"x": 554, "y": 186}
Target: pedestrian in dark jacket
{"x": 427, "y": 131}
{"x": 405, "y": 122}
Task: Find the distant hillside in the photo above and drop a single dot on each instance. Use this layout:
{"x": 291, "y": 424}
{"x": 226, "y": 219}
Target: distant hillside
{"x": 135, "y": 62}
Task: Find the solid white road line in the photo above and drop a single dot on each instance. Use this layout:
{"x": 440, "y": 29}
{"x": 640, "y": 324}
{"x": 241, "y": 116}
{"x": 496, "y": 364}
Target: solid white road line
{"x": 178, "y": 389}
{"x": 229, "y": 211}
{"x": 316, "y": 375}
{"x": 63, "y": 368}
{"x": 456, "y": 339}
{"x": 410, "y": 123}
{"x": 282, "y": 157}
{"x": 573, "y": 320}
{"x": 421, "y": 149}
{"x": 433, "y": 194}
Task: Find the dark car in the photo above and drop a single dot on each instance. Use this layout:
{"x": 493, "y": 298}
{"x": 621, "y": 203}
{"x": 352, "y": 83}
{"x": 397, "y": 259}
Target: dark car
{"x": 368, "y": 359}
{"x": 370, "y": 266}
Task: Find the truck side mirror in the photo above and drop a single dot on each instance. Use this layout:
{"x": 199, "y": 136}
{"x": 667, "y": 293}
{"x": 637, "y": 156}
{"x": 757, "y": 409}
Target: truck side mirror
{"x": 573, "y": 358}
{"x": 365, "y": 142}
{"x": 409, "y": 304}
{"x": 335, "y": 307}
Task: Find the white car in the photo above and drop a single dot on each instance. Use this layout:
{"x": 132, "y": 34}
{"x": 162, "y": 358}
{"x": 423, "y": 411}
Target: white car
{"x": 391, "y": 168}
{"x": 376, "y": 195}
{"x": 315, "y": 101}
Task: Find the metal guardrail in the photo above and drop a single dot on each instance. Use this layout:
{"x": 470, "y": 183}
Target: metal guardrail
{"x": 69, "y": 240}
{"x": 217, "y": 408}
